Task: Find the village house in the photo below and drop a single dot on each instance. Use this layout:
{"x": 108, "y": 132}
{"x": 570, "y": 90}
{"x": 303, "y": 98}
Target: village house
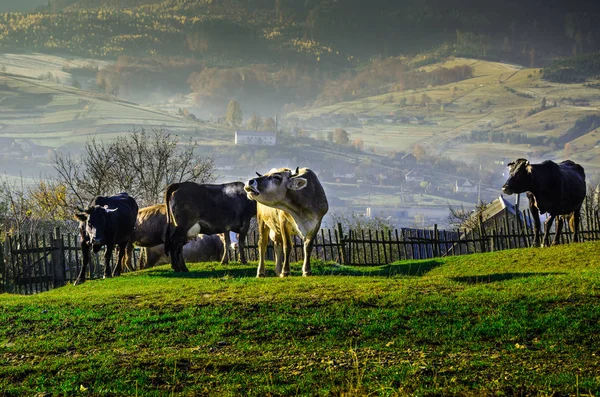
{"x": 261, "y": 138}
{"x": 465, "y": 186}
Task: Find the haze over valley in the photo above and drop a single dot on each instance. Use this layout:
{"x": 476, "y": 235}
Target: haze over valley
{"x": 402, "y": 108}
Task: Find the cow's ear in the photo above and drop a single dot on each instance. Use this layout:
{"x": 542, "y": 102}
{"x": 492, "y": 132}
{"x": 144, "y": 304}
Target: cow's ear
{"x": 297, "y": 183}
{"x": 510, "y": 164}
{"x": 82, "y": 217}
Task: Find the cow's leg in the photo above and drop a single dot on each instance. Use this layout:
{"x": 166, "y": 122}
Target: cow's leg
{"x": 85, "y": 253}
{"x": 574, "y": 222}
{"x": 279, "y": 255}
{"x": 242, "y": 242}
{"x": 547, "y": 226}
{"x": 263, "y": 240}
{"x": 129, "y": 257}
{"x": 177, "y": 255}
{"x": 107, "y": 257}
{"x": 288, "y": 245}
{"x": 119, "y": 266}
{"x": 225, "y": 259}
{"x": 177, "y": 241}
{"x": 143, "y": 262}
{"x": 535, "y": 216}
{"x": 308, "y": 246}
{"x": 559, "y": 226}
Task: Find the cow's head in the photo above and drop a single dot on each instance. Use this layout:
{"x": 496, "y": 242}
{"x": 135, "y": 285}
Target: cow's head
{"x": 519, "y": 178}
{"x": 270, "y": 189}
{"x": 93, "y": 222}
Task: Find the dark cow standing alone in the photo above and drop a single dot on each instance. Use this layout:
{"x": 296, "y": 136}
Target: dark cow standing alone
{"x": 206, "y": 209}
{"x": 558, "y": 189}
{"x": 108, "y": 221}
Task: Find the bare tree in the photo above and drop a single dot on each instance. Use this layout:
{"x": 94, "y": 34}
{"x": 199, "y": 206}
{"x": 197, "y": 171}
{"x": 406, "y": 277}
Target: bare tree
{"x": 142, "y": 164}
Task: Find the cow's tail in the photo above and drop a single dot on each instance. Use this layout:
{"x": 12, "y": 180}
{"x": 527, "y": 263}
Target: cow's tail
{"x": 170, "y": 224}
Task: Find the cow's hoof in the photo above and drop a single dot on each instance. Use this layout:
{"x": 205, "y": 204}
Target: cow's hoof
{"x": 284, "y": 274}
{"x": 79, "y": 281}
{"x": 306, "y": 274}
{"x": 261, "y": 275}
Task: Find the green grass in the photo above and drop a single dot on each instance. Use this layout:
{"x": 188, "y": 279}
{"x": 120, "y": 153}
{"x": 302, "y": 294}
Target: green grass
{"x": 520, "y": 322}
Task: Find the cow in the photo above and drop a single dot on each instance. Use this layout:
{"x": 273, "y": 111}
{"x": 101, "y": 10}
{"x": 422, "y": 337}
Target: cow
{"x": 558, "y": 189}
{"x": 149, "y": 230}
{"x": 204, "y": 248}
{"x": 208, "y": 209}
{"x": 108, "y": 221}
{"x": 289, "y": 203}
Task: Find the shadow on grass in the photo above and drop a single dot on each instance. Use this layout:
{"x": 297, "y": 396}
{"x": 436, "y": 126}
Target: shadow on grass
{"x": 319, "y": 269}
{"x": 412, "y": 269}
{"x": 498, "y": 277}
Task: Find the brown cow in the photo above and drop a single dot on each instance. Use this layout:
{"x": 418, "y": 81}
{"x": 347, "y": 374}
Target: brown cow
{"x": 289, "y": 203}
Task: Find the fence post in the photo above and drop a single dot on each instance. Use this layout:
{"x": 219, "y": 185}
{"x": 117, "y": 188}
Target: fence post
{"x": 58, "y": 258}
{"x": 342, "y": 245}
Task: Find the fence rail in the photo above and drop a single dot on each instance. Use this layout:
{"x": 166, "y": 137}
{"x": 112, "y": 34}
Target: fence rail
{"x": 34, "y": 263}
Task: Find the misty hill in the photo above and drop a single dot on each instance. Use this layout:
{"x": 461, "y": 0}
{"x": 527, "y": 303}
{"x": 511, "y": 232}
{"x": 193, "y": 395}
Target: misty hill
{"x": 37, "y": 117}
{"x": 503, "y": 111}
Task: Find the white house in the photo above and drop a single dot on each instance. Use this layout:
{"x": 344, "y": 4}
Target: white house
{"x": 465, "y": 186}
{"x": 262, "y": 138}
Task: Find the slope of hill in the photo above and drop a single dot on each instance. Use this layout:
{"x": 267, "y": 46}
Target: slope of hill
{"x": 55, "y": 115}
{"x": 502, "y": 111}
{"x": 518, "y": 322}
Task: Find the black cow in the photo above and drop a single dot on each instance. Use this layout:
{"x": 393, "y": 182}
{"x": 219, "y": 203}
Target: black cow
{"x": 206, "y": 209}
{"x": 558, "y": 189}
{"x": 107, "y": 221}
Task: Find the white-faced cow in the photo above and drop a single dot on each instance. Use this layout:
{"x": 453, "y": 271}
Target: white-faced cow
{"x": 206, "y": 209}
{"x": 558, "y": 189}
{"x": 108, "y": 221}
{"x": 289, "y": 203}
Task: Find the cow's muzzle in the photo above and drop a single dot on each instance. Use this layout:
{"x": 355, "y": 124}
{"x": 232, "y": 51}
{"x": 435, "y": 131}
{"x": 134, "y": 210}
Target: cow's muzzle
{"x": 507, "y": 190}
{"x": 252, "y": 187}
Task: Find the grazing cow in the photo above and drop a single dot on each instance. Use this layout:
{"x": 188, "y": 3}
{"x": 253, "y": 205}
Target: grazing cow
{"x": 107, "y": 221}
{"x": 206, "y": 209}
{"x": 289, "y": 203}
{"x": 558, "y": 189}
{"x": 204, "y": 248}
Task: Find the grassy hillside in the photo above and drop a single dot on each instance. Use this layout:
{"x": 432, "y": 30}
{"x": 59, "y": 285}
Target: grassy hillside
{"x": 499, "y": 98}
{"x": 55, "y": 115}
{"x": 521, "y": 322}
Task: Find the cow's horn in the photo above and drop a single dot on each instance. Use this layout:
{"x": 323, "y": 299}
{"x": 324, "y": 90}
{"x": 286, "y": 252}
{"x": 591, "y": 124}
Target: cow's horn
{"x": 80, "y": 209}
{"x": 297, "y": 171}
{"x": 258, "y": 174}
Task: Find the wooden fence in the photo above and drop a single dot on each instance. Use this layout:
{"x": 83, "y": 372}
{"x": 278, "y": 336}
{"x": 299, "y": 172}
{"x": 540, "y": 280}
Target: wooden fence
{"x": 31, "y": 264}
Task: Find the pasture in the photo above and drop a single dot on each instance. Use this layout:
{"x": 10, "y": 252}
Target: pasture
{"x": 55, "y": 115}
{"x": 498, "y": 97}
{"x": 517, "y": 322}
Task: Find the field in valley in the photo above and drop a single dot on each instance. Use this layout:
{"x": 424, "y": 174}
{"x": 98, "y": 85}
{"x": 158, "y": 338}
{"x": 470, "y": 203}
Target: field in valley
{"x": 498, "y": 97}
{"x": 56, "y": 115}
{"x": 519, "y": 322}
